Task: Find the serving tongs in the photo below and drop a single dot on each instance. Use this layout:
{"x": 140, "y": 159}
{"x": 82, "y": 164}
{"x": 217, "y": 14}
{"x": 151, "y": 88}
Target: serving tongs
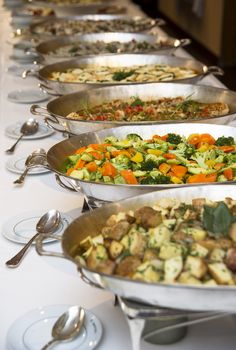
{"x": 36, "y": 159}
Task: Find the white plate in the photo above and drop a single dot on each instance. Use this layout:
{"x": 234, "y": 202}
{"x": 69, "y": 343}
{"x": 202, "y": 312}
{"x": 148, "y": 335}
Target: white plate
{"x": 18, "y": 70}
{"x": 17, "y": 165}
{"x": 27, "y": 96}
{"x": 33, "y": 330}
{"x": 22, "y": 227}
{"x": 13, "y": 131}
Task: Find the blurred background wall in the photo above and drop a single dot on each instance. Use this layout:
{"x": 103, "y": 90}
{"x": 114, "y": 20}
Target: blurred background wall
{"x": 211, "y": 24}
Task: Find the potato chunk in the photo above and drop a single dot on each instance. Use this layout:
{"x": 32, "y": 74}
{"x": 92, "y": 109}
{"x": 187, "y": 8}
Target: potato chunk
{"x": 158, "y": 236}
{"x": 187, "y": 278}
{"x": 172, "y": 268}
{"x": 195, "y": 266}
{"x": 170, "y": 250}
{"x": 221, "y": 273}
{"x": 115, "y": 249}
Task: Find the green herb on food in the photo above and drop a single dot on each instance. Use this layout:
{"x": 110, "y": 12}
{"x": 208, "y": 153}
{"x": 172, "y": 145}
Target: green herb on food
{"x": 121, "y": 75}
{"x": 217, "y": 220}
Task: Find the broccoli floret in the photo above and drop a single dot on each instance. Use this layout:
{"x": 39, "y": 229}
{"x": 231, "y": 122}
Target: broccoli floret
{"x": 151, "y": 162}
{"x": 148, "y": 165}
{"x": 111, "y": 139}
{"x": 160, "y": 179}
{"x": 230, "y": 158}
{"x": 174, "y": 138}
{"x": 133, "y": 137}
{"x": 225, "y": 141}
{"x": 202, "y": 157}
{"x": 183, "y": 152}
{"x": 121, "y": 162}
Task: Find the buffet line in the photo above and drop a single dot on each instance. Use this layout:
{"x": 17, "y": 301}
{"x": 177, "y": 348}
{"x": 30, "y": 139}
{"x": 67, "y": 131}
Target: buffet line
{"x": 148, "y": 144}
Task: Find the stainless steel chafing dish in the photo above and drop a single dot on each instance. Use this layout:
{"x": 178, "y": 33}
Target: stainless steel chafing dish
{"x": 177, "y": 296}
{"x": 56, "y": 111}
{"x": 37, "y": 29}
{"x": 45, "y": 49}
{"x": 123, "y": 60}
{"x": 99, "y": 193}
{"x": 76, "y": 7}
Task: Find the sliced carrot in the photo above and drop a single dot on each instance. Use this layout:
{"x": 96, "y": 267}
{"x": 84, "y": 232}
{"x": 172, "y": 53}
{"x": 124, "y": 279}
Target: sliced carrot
{"x": 194, "y": 139}
{"x": 97, "y": 147}
{"x": 107, "y": 155}
{"x": 202, "y": 178}
{"x": 92, "y": 166}
{"x": 97, "y": 155}
{"x": 129, "y": 177}
{"x": 164, "y": 137}
{"x": 227, "y": 149}
{"x": 218, "y": 166}
{"x": 179, "y": 170}
{"x": 164, "y": 168}
{"x": 108, "y": 169}
{"x": 119, "y": 152}
{"x": 207, "y": 138}
{"x": 69, "y": 171}
{"x": 80, "y": 150}
{"x": 79, "y": 164}
{"x": 229, "y": 174}
{"x": 169, "y": 155}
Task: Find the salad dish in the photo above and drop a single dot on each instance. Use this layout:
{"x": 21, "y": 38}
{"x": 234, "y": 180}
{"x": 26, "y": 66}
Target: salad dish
{"x": 136, "y": 109}
{"x": 139, "y": 166}
{"x": 161, "y": 159}
{"x": 64, "y": 113}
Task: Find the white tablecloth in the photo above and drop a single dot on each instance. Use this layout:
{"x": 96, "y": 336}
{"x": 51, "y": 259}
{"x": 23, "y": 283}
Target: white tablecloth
{"x": 45, "y": 281}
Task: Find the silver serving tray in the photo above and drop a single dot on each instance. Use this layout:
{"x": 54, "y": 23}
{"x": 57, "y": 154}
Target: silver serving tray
{"x": 99, "y": 193}
{"x": 72, "y": 9}
{"x": 123, "y": 60}
{"x": 56, "y": 110}
{"x": 177, "y": 296}
{"x": 33, "y": 28}
{"x": 45, "y": 48}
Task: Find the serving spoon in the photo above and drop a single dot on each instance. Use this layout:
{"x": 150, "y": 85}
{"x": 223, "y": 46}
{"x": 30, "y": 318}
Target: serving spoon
{"x": 33, "y": 160}
{"x": 67, "y": 326}
{"x": 48, "y": 223}
{"x": 30, "y": 127}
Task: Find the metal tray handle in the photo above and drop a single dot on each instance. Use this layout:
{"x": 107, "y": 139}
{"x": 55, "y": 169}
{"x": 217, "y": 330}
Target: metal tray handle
{"x": 47, "y": 89}
{"x": 30, "y": 72}
{"x": 42, "y": 252}
{"x": 183, "y": 42}
{"x": 63, "y": 185}
{"x": 159, "y": 22}
{"x": 214, "y": 70}
{"x": 39, "y": 110}
{"x": 40, "y": 249}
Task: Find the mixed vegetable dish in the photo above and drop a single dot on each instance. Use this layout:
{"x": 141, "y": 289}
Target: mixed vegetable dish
{"x": 167, "y": 159}
{"x": 136, "y": 109}
{"x": 80, "y": 48}
{"x": 69, "y": 27}
{"x": 130, "y": 74}
{"x": 169, "y": 242}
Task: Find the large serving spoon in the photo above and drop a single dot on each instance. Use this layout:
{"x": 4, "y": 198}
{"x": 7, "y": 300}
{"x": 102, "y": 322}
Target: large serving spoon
{"x": 48, "y": 223}
{"x": 35, "y": 159}
{"x": 30, "y": 127}
{"x": 67, "y": 326}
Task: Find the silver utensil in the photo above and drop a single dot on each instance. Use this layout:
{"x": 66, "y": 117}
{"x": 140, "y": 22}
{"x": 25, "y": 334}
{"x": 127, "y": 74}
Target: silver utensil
{"x": 33, "y": 160}
{"x": 30, "y": 127}
{"x": 48, "y": 223}
{"x": 67, "y": 326}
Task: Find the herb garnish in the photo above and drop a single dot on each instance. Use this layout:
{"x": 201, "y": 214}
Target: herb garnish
{"x": 217, "y": 220}
{"x": 121, "y": 75}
